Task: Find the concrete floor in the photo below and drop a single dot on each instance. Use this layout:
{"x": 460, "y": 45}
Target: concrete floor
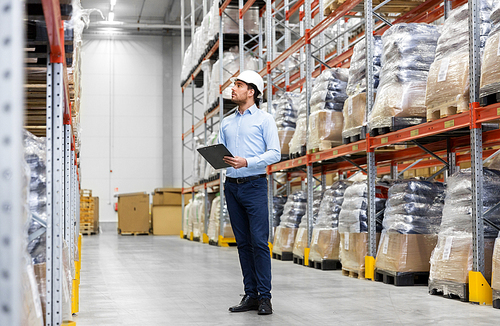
{"x": 148, "y": 280}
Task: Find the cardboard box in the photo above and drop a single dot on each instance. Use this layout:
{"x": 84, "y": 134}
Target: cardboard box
{"x": 96, "y": 214}
{"x": 451, "y": 260}
{"x": 325, "y": 125}
{"x": 166, "y": 220}
{"x": 354, "y": 115}
{"x": 284, "y": 239}
{"x": 169, "y": 197}
{"x": 325, "y": 244}
{"x": 285, "y": 136}
{"x": 133, "y": 213}
{"x": 495, "y": 276}
{"x": 405, "y": 252}
{"x": 300, "y": 242}
{"x": 353, "y": 249}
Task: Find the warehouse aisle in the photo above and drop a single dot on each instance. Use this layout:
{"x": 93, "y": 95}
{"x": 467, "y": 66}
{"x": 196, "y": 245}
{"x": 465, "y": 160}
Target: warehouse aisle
{"x": 147, "y": 280}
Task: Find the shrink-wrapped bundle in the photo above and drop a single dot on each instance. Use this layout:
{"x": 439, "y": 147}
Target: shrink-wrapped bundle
{"x": 297, "y": 144}
{"x": 213, "y": 231}
{"x": 329, "y": 91}
{"x": 490, "y": 69}
{"x": 495, "y": 275}
{"x": 325, "y": 237}
{"x": 301, "y": 239}
{"x": 286, "y": 118}
{"x": 278, "y": 208}
{"x": 448, "y": 81}
{"x": 408, "y": 52}
{"x": 353, "y": 225}
{"x": 451, "y": 259}
{"x": 355, "y": 107}
{"x": 187, "y": 215}
{"x": 295, "y": 208}
{"x": 411, "y": 222}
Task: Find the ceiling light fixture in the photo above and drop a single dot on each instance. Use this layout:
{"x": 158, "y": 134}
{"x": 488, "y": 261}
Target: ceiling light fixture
{"x": 111, "y": 16}
{"x": 112, "y": 4}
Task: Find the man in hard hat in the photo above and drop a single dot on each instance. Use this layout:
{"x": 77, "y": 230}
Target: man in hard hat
{"x": 252, "y": 137}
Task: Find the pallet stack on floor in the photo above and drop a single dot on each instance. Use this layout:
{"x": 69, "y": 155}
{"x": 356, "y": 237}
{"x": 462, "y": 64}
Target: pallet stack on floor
{"x": 89, "y": 213}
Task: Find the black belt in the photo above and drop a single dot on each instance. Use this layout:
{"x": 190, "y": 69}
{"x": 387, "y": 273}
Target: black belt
{"x": 246, "y": 179}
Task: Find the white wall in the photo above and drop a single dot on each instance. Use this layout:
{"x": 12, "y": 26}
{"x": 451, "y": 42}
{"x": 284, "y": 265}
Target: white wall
{"x": 121, "y": 116}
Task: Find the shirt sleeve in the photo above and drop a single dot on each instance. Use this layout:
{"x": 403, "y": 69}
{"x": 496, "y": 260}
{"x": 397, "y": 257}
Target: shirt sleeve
{"x": 273, "y": 150}
{"x": 221, "y": 139}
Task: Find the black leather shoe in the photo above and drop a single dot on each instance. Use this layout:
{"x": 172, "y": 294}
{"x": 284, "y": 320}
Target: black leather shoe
{"x": 247, "y": 303}
{"x": 265, "y": 307}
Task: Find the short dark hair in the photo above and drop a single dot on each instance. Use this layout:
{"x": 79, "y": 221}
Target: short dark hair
{"x": 256, "y": 94}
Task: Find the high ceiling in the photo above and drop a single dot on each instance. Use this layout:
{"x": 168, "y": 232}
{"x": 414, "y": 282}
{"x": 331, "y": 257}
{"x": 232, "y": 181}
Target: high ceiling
{"x": 142, "y": 11}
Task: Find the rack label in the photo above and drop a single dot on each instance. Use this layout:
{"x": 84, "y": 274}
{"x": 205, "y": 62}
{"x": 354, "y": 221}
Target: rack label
{"x": 449, "y": 124}
{"x": 316, "y": 236}
{"x": 354, "y": 147}
{"x": 287, "y": 164}
{"x": 349, "y": 106}
{"x": 443, "y": 70}
{"x": 384, "y": 140}
{"x": 300, "y": 161}
{"x": 317, "y": 156}
{"x": 414, "y": 133}
{"x": 498, "y": 111}
{"x": 335, "y": 152}
{"x": 346, "y": 240}
{"x": 447, "y": 248}
{"x": 386, "y": 244}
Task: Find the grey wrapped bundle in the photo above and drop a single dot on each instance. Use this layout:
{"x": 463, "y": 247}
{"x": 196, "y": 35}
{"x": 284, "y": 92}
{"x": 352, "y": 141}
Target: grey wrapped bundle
{"x": 295, "y": 208}
{"x": 317, "y": 198}
{"x": 457, "y": 212}
{"x": 331, "y": 205}
{"x": 414, "y": 207}
{"x": 353, "y": 215}
{"x": 329, "y": 91}
{"x": 278, "y": 207}
{"x": 407, "y": 55}
{"x": 286, "y": 111}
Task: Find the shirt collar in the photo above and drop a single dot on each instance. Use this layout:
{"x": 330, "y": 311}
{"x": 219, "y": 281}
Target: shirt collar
{"x": 252, "y": 110}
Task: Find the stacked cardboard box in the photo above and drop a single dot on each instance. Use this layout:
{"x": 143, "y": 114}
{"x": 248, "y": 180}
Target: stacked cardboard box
{"x": 133, "y": 213}
{"x": 166, "y": 215}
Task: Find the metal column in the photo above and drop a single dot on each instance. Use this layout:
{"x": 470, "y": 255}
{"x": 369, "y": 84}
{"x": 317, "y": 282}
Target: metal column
{"x": 269, "y": 53}
{"x": 372, "y": 169}
{"x": 67, "y": 188}
{"x": 55, "y": 192}
{"x": 308, "y": 72}
{"x": 447, "y": 8}
{"x": 221, "y": 117}
{"x": 241, "y": 39}
{"x": 476, "y": 141}
{"x": 11, "y": 156}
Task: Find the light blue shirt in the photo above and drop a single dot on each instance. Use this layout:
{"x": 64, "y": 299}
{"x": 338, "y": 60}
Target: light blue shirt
{"x": 252, "y": 135}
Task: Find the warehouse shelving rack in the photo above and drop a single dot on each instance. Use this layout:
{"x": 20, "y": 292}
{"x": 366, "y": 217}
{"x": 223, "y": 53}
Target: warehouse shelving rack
{"x": 212, "y": 118}
{"x": 443, "y": 143}
{"x": 432, "y": 133}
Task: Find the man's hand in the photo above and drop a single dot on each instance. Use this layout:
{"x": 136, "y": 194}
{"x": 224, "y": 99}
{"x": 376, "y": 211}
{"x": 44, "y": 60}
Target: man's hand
{"x": 236, "y": 162}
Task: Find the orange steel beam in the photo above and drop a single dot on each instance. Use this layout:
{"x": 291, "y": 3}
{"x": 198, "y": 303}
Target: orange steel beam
{"x": 246, "y": 7}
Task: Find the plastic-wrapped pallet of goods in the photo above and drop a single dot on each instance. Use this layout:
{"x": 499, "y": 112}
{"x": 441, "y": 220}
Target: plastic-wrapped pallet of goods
{"x": 448, "y": 81}
{"x": 214, "y": 223}
{"x": 490, "y": 69}
{"x": 300, "y": 242}
{"x": 355, "y": 107}
{"x": 297, "y": 145}
{"x": 286, "y": 118}
{"x": 327, "y": 102}
{"x": 325, "y": 239}
{"x": 412, "y": 218}
{"x": 353, "y": 226}
{"x": 409, "y": 51}
{"x": 278, "y": 208}
{"x": 295, "y": 208}
{"x": 495, "y": 275}
{"x": 451, "y": 260}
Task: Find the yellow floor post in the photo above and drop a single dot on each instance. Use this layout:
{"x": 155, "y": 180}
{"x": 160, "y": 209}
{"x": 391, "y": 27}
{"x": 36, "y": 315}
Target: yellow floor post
{"x": 191, "y": 236}
{"x": 479, "y": 289}
{"x": 182, "y": 234}
{"x": 75, "y": 297}
{"x": 370, "y": 268}
{"x": 270, "y": 249}
{"x": 205, "y": 238}
{"x": 306, "y": 256}
{"x": 68, "y": 323}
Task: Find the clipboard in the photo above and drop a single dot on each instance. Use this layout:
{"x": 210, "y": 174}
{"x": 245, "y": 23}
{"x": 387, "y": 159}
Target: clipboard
{"x": 214, "y": 154}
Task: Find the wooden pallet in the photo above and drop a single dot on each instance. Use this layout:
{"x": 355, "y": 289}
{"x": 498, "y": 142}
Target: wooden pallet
{"x": 449, "y": 289}
{"x": 354, "y": 274}
{"x": 86, "y": 193}
{"x": 134, "y": 233}
{"x": 401, "y": 278}
{"x": 490, "y": 99}
{"x": 496, "y": 298}
{"x": 326, "y": 264}
{"x": 443, "y": 110}
{"x": 298, "y": 260}
{"x": 395, "y": 6}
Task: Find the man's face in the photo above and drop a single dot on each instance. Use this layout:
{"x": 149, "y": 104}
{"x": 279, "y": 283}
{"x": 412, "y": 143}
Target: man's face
{"x": 240, "y": 93}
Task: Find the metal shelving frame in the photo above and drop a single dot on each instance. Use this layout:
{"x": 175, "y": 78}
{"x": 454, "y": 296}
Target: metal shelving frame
{"x": 11, "y": 156}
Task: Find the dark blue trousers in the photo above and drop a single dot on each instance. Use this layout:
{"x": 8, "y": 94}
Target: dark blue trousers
{"x": 248, "y": 212}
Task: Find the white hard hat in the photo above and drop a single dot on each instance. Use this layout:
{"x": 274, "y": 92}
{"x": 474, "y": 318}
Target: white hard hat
{"x": 251, "y": 77}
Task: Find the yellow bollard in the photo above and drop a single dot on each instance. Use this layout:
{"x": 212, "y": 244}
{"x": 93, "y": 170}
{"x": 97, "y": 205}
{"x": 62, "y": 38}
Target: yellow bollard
{"x": 370, "y": 268}
{"x": 306, "y": 256}
{"x": 205, "y": 238}
{"x": 182, "y": 234}
{"x": 479, "y": 289}
{"x": 270, "y": 249}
